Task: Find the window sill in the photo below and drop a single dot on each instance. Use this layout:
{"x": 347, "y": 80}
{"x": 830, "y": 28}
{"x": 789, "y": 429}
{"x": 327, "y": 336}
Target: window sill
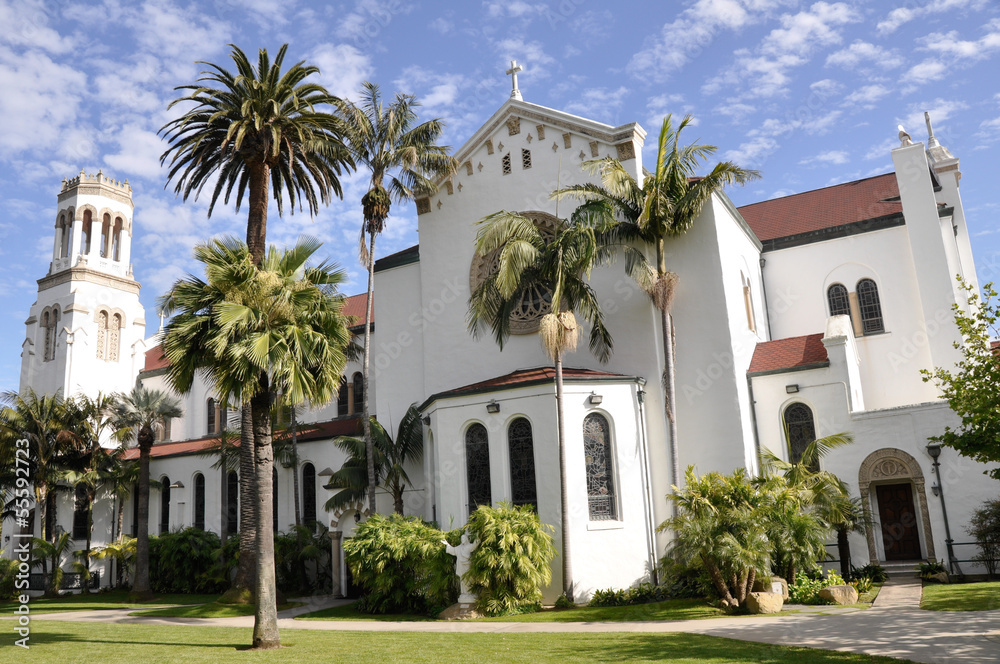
{"x": 605, "y": 525}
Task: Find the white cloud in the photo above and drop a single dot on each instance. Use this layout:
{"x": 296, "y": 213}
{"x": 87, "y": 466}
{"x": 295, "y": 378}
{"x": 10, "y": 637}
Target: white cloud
{"x": 867, "y": 95}
{"x": 753, "y": 152}
{"x": 343, "y": 68}
{"x": 530, "y": 55}
{"x": 881, "y": 149}
{"x": 26, "y": 24}
{"x": 826, "y": 87}
{"x": 901, "y": 15}
{"x": 441, "y": 25}
{"x": 512, "y": 9}
{"x": 864, "y": 53}
{"x": 949, "y": 43}
{"x": 828, "y": 157}
{"x": 601, "y": 104}
{"x": 941, "y": 110}
{"x": 139, "y": 153}
{"x": 180, "y": 34}
{"x": 367, "y": 21}
{"x": 925, "y": 72}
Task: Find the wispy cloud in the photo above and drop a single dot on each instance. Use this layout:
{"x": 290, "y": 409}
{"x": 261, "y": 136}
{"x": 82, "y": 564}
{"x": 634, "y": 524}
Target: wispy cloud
{"x": 902, "y": 15}
{"x": 829, "y": 157}
{"x": 864, "y": 54}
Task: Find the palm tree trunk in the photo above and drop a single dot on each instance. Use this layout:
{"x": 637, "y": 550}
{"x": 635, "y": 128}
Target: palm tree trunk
{"x": 564, "y": 490}
{"x": 844, "y": 551}
{"x": 718, "y": 581}
{"x": 90, "y": 533}
{"x": 246, "y": 571}
{"x": 366, "y": 418}
{"x": 257, "y": 217}
{"x": 41, "y": 499}
{"x": 119, "y": 564}
{"x": 140, "y": 587}
{"x": 295, "y": 470}
{"x": 265, "y": 627}
{"x": 669, "y": 376}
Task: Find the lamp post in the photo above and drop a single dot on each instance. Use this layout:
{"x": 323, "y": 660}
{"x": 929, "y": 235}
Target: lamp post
{"x": 934, "y": 450}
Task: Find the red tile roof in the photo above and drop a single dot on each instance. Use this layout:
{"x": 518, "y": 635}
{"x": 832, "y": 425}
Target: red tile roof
{"x": 790, "y": 353}
{"x": 306, "y": 433}
{"x": 824, "y": 208}
{"x": 523, "y": 377}
{"x": 155, "y": 359}
{"x": 354, "y": 306}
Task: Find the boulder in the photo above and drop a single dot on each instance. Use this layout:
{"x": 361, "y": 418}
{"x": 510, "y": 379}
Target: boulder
{"x": 839, "y": 594}
{"x": 764, "y": 602}
{"x": 940, "y": 577}
{"x": 771, "y": 584}
{"x": 460, "y": 611}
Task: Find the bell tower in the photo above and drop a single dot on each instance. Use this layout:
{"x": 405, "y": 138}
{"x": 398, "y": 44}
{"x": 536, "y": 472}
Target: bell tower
{"x": 86, "y": 328}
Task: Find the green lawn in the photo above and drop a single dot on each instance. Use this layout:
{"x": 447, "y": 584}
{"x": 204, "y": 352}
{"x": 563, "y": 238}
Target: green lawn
{"x": 155, "y": 644}
{"x": 211, "y": 610}
{"x": 348, "y": 612}
{"x": 117, "y": 599}
{"x": 961, "y": 596}
{"x": 671, "y": 609}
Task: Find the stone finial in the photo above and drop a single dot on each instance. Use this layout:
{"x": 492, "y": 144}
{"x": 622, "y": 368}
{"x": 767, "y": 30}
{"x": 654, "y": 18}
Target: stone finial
{"x": 932, "y": 141}
{"x": 937, "y": 152}
{"x": 515, "y": 93}
{"x": 904, "y": 138}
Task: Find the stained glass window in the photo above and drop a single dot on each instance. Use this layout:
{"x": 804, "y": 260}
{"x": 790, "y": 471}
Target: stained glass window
{"x": 359, "y": 392}
{"x": 477, "y": 466}
{"x": 600, "y": 473}
{"x": 523, "y": 490}
{"x": 836, "y": 297}
{"x": 199, "y": 501}
{"x": 871, "y": 308}
{"x": 80, "y": 525}
{"x": 342, "y": 402}
{"x": 308, "y": 493}
{"x": 164, "y": 504}
{"x": 800, "y": 428}
{"x": 232, "y": 502}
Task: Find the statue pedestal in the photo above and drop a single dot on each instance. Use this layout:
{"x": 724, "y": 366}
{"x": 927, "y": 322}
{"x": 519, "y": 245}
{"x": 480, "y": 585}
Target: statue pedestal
{"x": 460, "y": 611}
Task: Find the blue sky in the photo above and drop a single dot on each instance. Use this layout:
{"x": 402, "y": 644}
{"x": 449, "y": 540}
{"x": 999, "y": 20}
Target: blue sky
{"x": 810, "y": 93}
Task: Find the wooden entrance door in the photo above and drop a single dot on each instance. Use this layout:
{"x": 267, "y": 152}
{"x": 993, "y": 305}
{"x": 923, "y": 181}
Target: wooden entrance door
{"x": 899, "y": 521}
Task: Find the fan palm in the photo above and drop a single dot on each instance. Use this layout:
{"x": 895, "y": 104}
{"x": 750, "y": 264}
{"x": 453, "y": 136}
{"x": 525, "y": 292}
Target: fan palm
{"x": 665, "y": 204}
{"x": 256, "y": 130}
{"x": 402, "y": 157}
{"x": 138, "y": 416}
{"x": 562, "y": 265}
{"x": 121, "y": 550}
{"x": 391, "y": 457}
{"x": 256, "y": 333}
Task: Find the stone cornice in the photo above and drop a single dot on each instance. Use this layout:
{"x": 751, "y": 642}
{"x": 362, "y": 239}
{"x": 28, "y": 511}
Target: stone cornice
{"x": 91, "y": 276}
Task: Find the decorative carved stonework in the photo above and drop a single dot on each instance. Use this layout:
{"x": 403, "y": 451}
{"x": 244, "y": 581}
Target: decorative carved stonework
{"x": 489, "y": 146}
{"x": 626, "y": 151}
{"x": 480, "y": 167}
{"x": 513, "y": 126}
{"x": 568, "y": 140}
{"x": 82, "y": 273}
{"x": 440, "y": 203}
{"x": 534, "y": 304}
{"x": 891, "y": 465}
{"x": 468, "y": 168}
{"x": 593, "y": 149}
{"x": 540, "y": 130}
{"x": 449, "y": 187}
{"x": 555, "y": 146}
{"x": 583, "y": 155}
{"x": 889, "y": 468}
{"x": 423, "y": 205}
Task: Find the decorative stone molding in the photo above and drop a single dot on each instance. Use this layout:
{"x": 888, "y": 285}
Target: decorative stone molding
{"x": 513, "y": 125}
{"x": 489, "y": 146}
{"x": 82, "y": 273}
{"x": 886, "y": 465}
{"x": 340, "y": 511}
{"x": 626, "y": 151}
{"x": 540, "y": 130}
{"x": 449, "y": 187}
{"x": 594, "y": 147}
{"x": 468, "y": 168}
{"x": 423, "y": 205}
{"x": 83, "y": 208}
{"x": 567, "y": 140}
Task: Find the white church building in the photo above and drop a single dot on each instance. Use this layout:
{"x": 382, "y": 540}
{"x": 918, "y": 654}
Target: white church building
{"x": 797, "y": 317}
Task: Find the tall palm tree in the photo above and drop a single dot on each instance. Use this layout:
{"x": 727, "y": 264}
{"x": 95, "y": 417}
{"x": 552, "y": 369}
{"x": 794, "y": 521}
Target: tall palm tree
{"x": 259, "y": 332}
{"x": 138, "y": 416}
{"x": 44, "y": 552}
{"x": 665, "y": 204}
{"x": 257, "y": 130}
{"x": 391, "y": 457}
{"x": 562, "y": 265}
{"x": 402, "y": 157}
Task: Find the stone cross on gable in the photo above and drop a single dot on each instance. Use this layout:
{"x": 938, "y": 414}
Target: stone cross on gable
{"x": 512, "y": 72}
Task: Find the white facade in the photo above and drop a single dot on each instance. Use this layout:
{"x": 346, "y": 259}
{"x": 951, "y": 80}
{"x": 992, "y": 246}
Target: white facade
{"x": 758, "y": 333}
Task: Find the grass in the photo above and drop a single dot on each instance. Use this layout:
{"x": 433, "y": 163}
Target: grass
{"x": 210, "y": 610}
{"x": 348, "y": 612}
{"x": 671, "y": 609}
{"x": 53, "y": 641}
{"x": 117, "y": 599}
{"x": 984, "y": 596}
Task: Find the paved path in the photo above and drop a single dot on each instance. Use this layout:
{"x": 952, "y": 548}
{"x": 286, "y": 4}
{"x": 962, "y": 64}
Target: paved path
{"x": 894, "y": 627}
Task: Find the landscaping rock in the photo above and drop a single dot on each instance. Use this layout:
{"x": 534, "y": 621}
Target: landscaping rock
{"x": 839, "y": 594}
{"x": 460, "y": 611}
{"x": 772, "y": 584}
{"x": 940, "y": 577}
{"x": 763, "y": 602}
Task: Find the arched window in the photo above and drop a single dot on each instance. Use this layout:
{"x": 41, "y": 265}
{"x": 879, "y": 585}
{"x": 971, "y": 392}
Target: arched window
{"x": 211, "y": 414}
{"x": 800, "y": 429}
{"x": 274, "y": 497}
{"x": 66, "y": 226}
{"x": 232, "y": 502}
{"x": 836, "y": 298}
{"x": 164, "y": 504}
{"x": 105, "y": 235}
{"x": 309, "y": 494}
{"x": 600, "y": 472}
{"x": 748, "y": 303}
{"x": 60, "y": 236}
{"x": 103, "y": 319}
{"x": 80, "y": 525}
{"x": 477, "y": 466}
{"x": 114, "y": 337}
{"x": 359, "y": 392}
{"x": 87, "y": 228}
{"x": 199, "y": 501}
{"x": 523, "y": 490}
{"x": 47, "y": 335}
{"x": 871, "y": 308}
{"x": 342, "y": 398}
{"x": 116, "y": 239}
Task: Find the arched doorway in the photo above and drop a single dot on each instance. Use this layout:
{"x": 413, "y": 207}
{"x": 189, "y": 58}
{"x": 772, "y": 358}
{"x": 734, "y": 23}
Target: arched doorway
{"x": 892, "y": 486}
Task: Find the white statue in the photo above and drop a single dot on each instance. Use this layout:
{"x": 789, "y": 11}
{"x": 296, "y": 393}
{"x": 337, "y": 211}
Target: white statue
{"x": 462, "y": 553}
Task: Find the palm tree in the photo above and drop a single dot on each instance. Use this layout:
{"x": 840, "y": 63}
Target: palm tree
{"x": 402, "y": 157}
{"x": 45, "y": 552}
{"x": 526, "y": 262}
{"x": 664, "y": 205}
{"x": 139, "y": 415}
{"x": 121, "y": 550}
{"x": 391, "y": 457}
{"x": 256, "y": 333}
{"x": 253, "y": 131}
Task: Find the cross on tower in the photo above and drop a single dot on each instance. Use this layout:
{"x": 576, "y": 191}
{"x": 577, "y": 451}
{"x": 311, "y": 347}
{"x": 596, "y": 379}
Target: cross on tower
{"x": 512, "y": 72}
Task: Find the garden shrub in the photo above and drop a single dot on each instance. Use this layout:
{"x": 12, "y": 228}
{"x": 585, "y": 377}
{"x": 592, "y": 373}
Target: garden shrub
{"x": 644, "y": 593}
{"x": 511, "y": 564}
{"x": 402, "y": 565}
{"x": 862, "y": 584}
{"x": 805, "y": 590}
{"x": 872, "y": 571}
{"x": 563, "y": 602}
{"x": 684, "y": 581}
{"x": 609, "y": 597}
{"x": 302, "y": 561}
{"x": 930, "y": 568}
{"x": 8, "y": 572}
{"x": 985, "y": 527}
{"x": 185, "y": 561}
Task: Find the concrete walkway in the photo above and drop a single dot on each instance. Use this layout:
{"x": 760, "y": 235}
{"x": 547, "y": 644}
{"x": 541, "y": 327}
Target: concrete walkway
{"x": 893, "y": 627}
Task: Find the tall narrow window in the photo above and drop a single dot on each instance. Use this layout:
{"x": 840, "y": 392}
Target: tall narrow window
{"x": 80, "y": 525}
{"x": 103, "y": 319}
{"x": 164, "y": 504}
{"x": 199, "y": 501}
{"x": 800, "y": 429}
{"x": 105, "y": 236}
{"x": 274, "y": 497}
{"x": 232, "y": 502}
{"x": 116, "y": 239}
{"x": 836, "y": 297}
{"x": 309, "y": 494}
{"x": 47, "y": 335}
{"x": 871, "y": 308}
{"x": 600, "y": 473}
{"x": 87, "y": 228}
{"x": 748, "y": 303}
{"x": 477, "y": 466}
{"x": 359, "y": 392}
{"x": 342, "y": 398}
{"x": 506, "y": 164}
{"x": 525, "y": 159}
{"x": 523, "y": 490}
{"x": 114, "y": 337}
{"x": 210, "y": 417}
{"x": 67, "y": 235}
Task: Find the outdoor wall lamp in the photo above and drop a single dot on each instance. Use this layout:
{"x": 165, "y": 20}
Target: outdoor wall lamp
{"x": 934, "y": 451}
{"x": 177, "y": 485}
{"x": 791, "y": 389}
{"x": 357, "y": 517}
{"x": 426, "y": 419}
{"x": 326, "y": 472}
{"x": 595, "y": 398}
{"x": 493, "y": 407}
{"x": 936, "y": 489}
